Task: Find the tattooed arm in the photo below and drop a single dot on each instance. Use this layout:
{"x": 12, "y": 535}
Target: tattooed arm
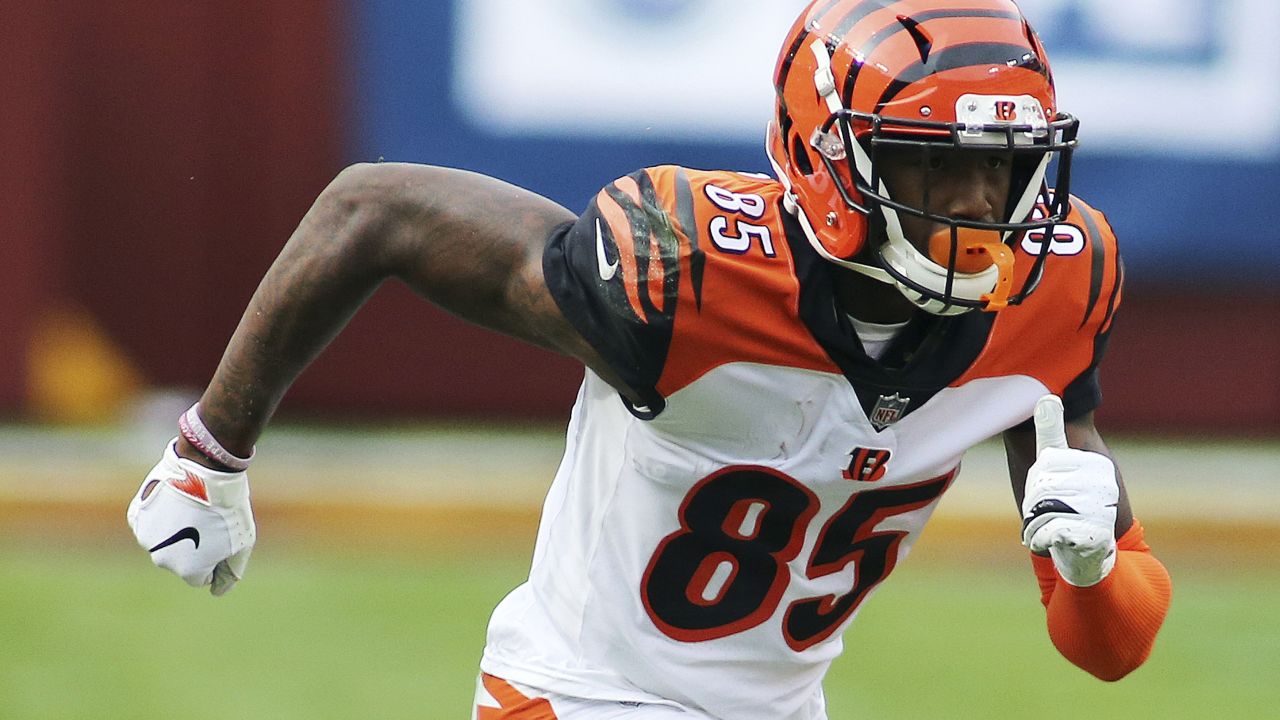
{"x": 466, "y": 242}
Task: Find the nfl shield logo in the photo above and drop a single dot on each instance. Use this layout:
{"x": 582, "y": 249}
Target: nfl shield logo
{"x": 888, "y": 410}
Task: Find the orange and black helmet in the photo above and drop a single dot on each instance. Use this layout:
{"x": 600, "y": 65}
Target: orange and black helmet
{"x": 857, "y": 76}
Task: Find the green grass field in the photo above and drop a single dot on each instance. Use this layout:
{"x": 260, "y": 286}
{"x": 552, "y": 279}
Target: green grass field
{"x": 88, "y": 629}
{"x": 392, "y": 626}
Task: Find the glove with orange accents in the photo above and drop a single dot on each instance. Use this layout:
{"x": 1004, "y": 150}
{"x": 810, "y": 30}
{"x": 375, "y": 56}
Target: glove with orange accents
{"x": 1069, "y": 509}
{"x": 195, "y": 522}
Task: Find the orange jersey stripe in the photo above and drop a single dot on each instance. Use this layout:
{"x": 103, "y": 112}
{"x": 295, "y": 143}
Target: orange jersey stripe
{"x": 515, "y": 705}
{"x": 669, "y": 182}
{"x": 655, "y": 271}
{"x": 1051, "y": 336}
{"x": 624, "y": 241}
{"x": 748, "y": 309}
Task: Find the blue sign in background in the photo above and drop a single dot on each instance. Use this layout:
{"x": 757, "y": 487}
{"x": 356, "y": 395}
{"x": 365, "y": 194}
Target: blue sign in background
{"x": 1182, "y": 217}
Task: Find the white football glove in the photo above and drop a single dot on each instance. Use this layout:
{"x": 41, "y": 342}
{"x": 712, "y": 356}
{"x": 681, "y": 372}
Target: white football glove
{"x": 194, "y": 521}
{"x": 1070, "y": 503}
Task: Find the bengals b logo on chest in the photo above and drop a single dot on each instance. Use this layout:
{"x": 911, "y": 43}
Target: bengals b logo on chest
{"x": 866, "y": 464}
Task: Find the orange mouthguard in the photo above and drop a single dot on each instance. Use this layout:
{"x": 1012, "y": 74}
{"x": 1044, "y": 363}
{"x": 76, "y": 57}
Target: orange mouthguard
{"x": 977, "y": 250}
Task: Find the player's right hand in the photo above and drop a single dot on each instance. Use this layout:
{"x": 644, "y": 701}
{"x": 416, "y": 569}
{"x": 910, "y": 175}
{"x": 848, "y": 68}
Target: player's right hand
{"x": 194, "y": 521}
{"x": 1069, "y": 508}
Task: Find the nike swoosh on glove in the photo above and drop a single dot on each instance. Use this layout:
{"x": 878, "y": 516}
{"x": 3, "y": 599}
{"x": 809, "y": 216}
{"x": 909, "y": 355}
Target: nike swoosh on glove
{"x": 195, "y": 522}
{"x": 1069, "y": 508}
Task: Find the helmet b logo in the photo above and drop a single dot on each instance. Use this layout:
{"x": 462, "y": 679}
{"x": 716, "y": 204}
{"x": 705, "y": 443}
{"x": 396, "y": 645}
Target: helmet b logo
{"x": 866, "y": 464}
{"x": 1006, "y": 111}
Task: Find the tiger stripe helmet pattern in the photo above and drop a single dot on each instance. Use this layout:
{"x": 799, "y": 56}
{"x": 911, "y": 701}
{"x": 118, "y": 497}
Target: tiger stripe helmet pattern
{"x": 855, "y": 76}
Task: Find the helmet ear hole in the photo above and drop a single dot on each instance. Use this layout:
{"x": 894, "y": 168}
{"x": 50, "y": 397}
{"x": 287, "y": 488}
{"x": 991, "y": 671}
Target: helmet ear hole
{"x": 800, "y": 155}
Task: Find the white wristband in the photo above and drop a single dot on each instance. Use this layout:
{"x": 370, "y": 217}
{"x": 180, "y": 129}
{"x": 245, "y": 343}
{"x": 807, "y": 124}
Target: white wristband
{"x": 193, "y": 429}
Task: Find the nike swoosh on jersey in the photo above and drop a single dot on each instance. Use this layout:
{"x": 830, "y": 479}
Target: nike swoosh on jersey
{"x": 186, "y": 533}
{"x": 607, "y": 270}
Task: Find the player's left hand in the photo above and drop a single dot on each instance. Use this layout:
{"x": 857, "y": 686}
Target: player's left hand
{"x": 1069, "y": 509}
{"x": 194, "y": 521}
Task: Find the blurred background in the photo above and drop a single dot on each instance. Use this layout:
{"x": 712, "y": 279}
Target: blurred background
{"x": 158, "y": 155}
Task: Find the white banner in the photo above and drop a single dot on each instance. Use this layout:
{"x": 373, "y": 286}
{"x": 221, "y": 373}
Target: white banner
{"x": 627, "y": 68}
{"x": 1186, "y": 77}
{"x": 1178, "y": 77}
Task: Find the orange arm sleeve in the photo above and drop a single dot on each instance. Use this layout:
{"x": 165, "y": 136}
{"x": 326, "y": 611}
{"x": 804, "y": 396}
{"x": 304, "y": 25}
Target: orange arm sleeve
{"x": 1108, "y": 629}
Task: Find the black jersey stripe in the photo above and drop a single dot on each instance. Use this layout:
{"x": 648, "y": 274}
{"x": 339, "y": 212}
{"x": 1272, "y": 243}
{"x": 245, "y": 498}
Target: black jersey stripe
{"x": 960, "y": 56}
{"x": 638, "y": 222}
{"x": 896, "y": 27}
{"x": 664, "y": 233}
{"x": 1097, "y": 262}
{"x": 614, "y": 289}
{"x": 689, "y": 223}
{"x": 1115, "y": 295}
{"x": 641, "y": 216}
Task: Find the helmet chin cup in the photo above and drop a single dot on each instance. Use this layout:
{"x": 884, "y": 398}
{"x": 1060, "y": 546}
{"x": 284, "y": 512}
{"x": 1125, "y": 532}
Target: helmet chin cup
{"x": 961, "y": 248}
{"x": 933, "y": 288}
{"x": 971, "y": 251}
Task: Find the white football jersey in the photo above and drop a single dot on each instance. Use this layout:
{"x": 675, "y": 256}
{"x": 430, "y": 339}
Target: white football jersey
{"x": 709, "y": 548}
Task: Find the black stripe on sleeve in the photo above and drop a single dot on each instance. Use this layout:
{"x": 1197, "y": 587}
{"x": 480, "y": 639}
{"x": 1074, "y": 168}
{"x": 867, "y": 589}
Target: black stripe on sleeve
{"x": 634, "y": 347}
{"x": 1115, "y": 293}
{"x": 639, "y": 225}
{"x": 689, "y": 223}
{"x": 1098, "y": 259}
{"x": 1085, "y": 392}
{"x": 662, "y": 233}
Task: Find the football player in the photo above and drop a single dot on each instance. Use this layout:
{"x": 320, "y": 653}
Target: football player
{"x": 782, "y": 373}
